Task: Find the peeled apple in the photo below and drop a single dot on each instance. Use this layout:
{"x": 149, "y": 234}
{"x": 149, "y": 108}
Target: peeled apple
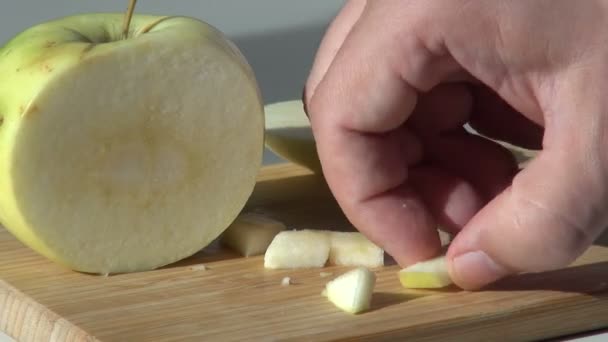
{"x": 122, "y": 155}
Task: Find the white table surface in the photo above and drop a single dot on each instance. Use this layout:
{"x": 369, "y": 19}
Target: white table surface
{"x": 278, "y": 37}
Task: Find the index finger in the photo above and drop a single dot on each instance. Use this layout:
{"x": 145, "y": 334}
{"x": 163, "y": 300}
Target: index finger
{"x": 358, "y": 113}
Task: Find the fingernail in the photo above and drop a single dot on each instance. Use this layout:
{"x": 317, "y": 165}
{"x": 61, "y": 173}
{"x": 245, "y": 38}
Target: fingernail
{"x": 474, "y": 270}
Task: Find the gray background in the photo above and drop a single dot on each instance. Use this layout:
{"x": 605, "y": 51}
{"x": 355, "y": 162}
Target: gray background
{"x": 278, "y": 37}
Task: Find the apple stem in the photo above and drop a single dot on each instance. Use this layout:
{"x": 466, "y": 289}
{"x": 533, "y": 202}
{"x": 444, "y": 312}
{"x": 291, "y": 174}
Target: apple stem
{"x": 128, "y": 17}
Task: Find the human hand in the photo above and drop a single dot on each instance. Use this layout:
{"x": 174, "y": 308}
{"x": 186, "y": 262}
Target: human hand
{"x": 392, "y": 86}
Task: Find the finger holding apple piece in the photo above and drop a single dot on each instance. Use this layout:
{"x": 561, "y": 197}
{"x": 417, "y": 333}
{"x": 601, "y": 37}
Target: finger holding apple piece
{"x": 125, "y": 152}
{"x": 428, "y": 274}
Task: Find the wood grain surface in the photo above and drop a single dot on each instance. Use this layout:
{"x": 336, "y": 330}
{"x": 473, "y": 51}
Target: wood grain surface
{"x": 236, "y": 299}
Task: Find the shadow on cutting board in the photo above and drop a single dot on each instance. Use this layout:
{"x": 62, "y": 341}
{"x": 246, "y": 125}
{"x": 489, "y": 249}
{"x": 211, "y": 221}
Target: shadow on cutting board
{"x": 585, "y": 279}
{"x": 300, "y": 202}
{"x": 381, "y": 300}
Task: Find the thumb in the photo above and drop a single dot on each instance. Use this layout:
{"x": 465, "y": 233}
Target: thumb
{"x": 552, "y": 212}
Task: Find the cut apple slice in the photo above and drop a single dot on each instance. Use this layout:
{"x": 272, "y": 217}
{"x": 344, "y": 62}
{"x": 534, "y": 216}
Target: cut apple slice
{"x": 428, "y": 274}
{"x": 120, "y": 155}
{"x": 251, "y": 234}
{"x": 354, "y": 249}
{"x": 352, "y": 291}
{"x": 298, "y": 249}
{"x": 288, "y": 134}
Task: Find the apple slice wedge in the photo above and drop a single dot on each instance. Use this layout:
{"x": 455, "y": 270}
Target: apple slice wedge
{"x": 430, "y": 274}
{"x": 352, "y": 291}
{"x": 121, "y": 155}
{"x": 288, "y": 134}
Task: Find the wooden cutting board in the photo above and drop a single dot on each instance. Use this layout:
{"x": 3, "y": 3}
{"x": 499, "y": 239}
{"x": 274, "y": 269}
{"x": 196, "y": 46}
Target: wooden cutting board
{"x": 236, "y": 299}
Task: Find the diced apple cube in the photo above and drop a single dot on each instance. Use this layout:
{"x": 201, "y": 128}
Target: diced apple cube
{"x": 428, "y": 274}
{"x": 352, "y": 291}
{"x": 297, "y": 249}
{"x": 250, "y": 234}
{"x": 354, "y": 249}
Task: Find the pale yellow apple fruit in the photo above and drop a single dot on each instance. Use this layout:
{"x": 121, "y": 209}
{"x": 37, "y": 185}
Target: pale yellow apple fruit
{"x": 354, "y": 249}
{"x": 120, "y": 155}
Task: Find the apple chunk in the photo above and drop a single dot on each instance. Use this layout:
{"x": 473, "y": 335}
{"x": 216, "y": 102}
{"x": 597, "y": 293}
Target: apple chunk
{"x": 298, "y": 249}
{"x": 352, "y": 291}
{"x": 354, "y": 249}
{"x": 251, "y": 234}
{"x": 428, "y": 274}
{"x": 120, "y": 155}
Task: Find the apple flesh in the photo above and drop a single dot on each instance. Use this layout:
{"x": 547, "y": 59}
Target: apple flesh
{"x": 429, "y": 274}
{"x": 352, "y": 291}
{"x": 298, "y": 249}
{"x": 121, "y": 155}
{"x": 354, "y": 249}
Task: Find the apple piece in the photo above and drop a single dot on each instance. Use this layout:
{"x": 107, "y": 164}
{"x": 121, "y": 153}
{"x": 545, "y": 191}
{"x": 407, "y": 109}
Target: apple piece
{"x": 354, "y": 249}
{"x": 444, "y": 237}
{"x": 352, "y": 291}
{"x": 199, "y": 267}
{"x": 286, "y": 281}
{"x": 297, "y": 249}
{"x": 121, "y": 155}
{"x": 428, "y": 274}
{"x": 250, "y": 234}
{"x": 522, "y": 155}
{"x": 289, "y": 135}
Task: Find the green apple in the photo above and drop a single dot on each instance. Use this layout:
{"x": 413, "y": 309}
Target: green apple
{"x": 122, "y": 154}
{"x": 288, "y": 134}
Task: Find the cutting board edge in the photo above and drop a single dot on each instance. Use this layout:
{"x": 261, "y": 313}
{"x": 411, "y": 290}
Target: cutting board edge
{"x": 35, "y": 322}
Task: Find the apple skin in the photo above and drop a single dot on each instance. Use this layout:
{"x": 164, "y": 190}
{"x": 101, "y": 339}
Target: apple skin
{"x": 35, "y": 58}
